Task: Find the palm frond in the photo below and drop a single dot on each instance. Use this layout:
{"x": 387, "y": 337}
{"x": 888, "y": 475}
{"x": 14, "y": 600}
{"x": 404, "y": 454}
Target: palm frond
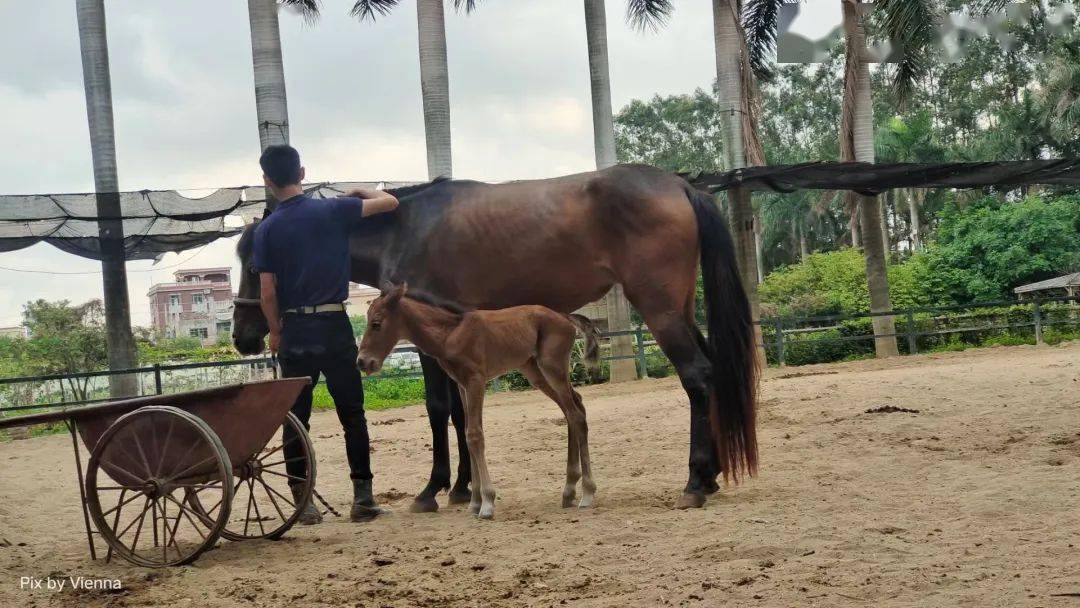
{"x": 760, "y": 20}
{"x": 983, "y": 7}
{"x": 308, "y": 9}
{"x": 909, "y": 25}
{"x": 468, "y": 5}
{"x": 367, "y": 9}
{"x": 648, "y": 14}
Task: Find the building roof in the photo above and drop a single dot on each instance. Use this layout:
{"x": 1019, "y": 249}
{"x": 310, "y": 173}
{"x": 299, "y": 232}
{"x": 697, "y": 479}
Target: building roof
{"x": 1065, "y": 280}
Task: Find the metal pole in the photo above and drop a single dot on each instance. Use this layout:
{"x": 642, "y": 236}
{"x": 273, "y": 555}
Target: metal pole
{"x": 639, "y": 336}
{"x": 912, "y": 343}
{"x": 82, "y": 486}
{"x": 157, "y": 378}
{"x": 779, "y": 341}
{"x": 1037, "y": 312}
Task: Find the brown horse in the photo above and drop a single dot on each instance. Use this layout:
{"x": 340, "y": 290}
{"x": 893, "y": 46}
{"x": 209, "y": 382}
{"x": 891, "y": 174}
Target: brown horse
{"x": 563, "y": 243}
{"x": 476, "y": 346}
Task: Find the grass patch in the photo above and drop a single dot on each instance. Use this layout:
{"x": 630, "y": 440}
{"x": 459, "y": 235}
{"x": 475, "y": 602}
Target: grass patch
{"x": 379, "y": 393}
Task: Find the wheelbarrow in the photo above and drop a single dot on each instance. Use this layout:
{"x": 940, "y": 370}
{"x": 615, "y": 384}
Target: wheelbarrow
{"x": 169, "y": 475}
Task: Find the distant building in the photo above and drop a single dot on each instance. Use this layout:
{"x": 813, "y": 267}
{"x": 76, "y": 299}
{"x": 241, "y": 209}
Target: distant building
{"x": 14, "y": 331}
{"x": 198, "y": 305}
{"x": 360, "y": 298}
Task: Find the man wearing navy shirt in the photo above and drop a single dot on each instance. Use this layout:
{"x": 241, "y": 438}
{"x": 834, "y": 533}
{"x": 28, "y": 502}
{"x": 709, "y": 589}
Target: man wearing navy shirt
{"x": 301, "y": 252}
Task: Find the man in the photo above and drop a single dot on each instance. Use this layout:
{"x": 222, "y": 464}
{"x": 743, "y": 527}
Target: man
{"x": 301, "y": 252}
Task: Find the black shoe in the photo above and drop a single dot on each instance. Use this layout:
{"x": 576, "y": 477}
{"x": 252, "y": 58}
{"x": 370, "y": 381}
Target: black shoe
{"x": 364, "y": 507}
{"x": 308, "y": 513}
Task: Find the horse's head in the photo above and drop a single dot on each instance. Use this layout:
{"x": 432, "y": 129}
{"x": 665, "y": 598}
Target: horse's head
{"x": 249, "y": 323}
{"x": 384, "y": 329}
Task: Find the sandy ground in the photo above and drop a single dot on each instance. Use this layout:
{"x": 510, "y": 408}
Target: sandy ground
{"x": 973, "y": 501}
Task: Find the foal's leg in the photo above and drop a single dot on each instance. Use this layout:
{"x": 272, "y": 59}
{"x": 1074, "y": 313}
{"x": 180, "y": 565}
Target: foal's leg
{"x": 474, "y": 433}
{"x": 553, "y": 360}
{"x": 588, "y": 486}
{"x": 474, "y": 494}
{"x": 573, "y": 463}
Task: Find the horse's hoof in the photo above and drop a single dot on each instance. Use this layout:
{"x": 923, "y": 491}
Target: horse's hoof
{"x": 459, "y": 497}
{"x": 422, "y": 504}
{"x": 585, "y": 503}
{"x": 690, "y": 500}
{"x": 474, "y": 508}
{"x": 712, "y": 487}
{"x": 486, "y": 513}
{"x": 567, "y": 501}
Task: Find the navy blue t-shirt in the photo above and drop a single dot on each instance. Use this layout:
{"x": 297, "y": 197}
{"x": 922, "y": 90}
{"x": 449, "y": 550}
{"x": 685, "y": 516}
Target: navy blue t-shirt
{"x": 305, "y": 243}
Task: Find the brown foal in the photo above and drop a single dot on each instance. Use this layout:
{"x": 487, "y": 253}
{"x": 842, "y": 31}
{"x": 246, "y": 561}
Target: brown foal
{"x": 474, "y": 347}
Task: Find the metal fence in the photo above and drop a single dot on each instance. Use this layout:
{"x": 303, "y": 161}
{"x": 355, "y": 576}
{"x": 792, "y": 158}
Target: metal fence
{"x": 785, "y": 340}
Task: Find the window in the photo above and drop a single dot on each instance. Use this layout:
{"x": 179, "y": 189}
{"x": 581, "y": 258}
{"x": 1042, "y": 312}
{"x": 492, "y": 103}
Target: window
{"x": 174, "y": 300}
{"x": 224, "y": 327}
{"x": 197, "y": 299}
{"x": 198, "y": 332}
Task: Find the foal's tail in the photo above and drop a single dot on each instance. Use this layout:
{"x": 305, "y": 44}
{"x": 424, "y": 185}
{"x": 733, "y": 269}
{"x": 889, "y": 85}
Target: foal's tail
{"x": 730, "y": 343}
{"x": 592, "y": 343}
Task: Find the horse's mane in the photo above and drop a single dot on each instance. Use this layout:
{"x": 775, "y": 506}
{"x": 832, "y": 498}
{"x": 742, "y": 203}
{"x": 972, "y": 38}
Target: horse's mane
{"x": 246, "y": 242}
{"x": 404, "y": 191}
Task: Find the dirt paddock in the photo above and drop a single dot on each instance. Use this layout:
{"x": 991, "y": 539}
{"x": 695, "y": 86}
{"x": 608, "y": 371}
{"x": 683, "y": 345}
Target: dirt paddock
{"x": 972, "y": 501}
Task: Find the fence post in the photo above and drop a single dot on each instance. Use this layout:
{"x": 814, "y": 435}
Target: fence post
{"x": 1037, "y": 313}
{"x": 780, "y": 341}
{"x": 157, "y": 378}
{"x": 912, "y": 343}
{"x": 643, "y": 367}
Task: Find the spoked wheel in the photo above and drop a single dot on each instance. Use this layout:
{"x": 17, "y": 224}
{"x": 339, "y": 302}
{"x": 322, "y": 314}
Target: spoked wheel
{"x": 142, "y": 476}
{"x": 263, "y": 501}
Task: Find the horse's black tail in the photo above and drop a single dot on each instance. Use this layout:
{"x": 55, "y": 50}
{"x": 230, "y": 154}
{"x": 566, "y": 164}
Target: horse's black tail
{"x": 730, "y": 342}
{"x": 592, "y": 343}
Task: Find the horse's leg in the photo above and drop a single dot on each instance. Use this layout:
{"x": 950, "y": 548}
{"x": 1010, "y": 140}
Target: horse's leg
{"x": 588, "y": 486}
{"x": 460, "y": 493}
{"x": 474, "y": 494}
{"x": 438, "y": 411}
{"x": 678, "y": 339}
{"x": 573, "y": 463}
{"x": 474, "y": 434}
{"x": 554, "y": 365}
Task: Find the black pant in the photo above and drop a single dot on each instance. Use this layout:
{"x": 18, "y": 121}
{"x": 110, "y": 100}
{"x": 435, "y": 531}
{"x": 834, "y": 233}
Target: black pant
{"x": 323, "y": 343}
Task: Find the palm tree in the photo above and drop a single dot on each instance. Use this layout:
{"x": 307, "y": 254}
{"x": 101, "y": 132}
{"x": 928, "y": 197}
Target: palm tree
{"x": 434, "y": 73}
{"x": 641, "y": 14}
{"x": 97, "y": 83}
{"x": 271, "y": 105}
{"x": 910, "y": 24}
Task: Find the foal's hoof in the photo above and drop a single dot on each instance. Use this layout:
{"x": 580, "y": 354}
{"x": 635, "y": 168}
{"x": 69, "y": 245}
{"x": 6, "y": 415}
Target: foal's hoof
{"x": 486, "y": 513}
{"x": 459, "y": 496}
{"x": 474, "y": 508}
{"x": 586, "y": 502}
{"x": 690, "y": 500}
{"x": 423, "y": 504}
{"x": 567, "y": 501}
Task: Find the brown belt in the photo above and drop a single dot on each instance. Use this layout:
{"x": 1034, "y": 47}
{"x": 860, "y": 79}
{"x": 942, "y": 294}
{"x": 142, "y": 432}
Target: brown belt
{"x": 310, "y": 310}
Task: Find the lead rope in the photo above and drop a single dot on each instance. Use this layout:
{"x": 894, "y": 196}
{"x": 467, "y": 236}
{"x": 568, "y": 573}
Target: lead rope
{"x": 279, "y": 374}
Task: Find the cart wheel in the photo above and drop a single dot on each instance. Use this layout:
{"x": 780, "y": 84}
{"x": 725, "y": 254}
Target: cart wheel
{"x": 152, "y": 462}
{"x": 263, "y": 503}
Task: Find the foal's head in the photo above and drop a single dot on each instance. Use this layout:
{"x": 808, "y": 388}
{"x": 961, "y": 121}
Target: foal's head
{"x": 384, "y": 329}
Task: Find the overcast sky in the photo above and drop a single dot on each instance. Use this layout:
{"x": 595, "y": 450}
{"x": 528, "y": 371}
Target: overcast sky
{"x": 185, "y": 114}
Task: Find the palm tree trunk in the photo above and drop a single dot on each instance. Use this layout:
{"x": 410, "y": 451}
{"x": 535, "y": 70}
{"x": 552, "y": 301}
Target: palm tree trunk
{"x": 857, "y": 76}
{"x": 271, "y": 105}
{"x": 97, "y": 83}
{"x": 914, "y": 203}
{"x": 435, "y": 85}
{"x": 759, "y": 250}
{"x": 618, "y": 309}
{"x": 728, "y": 46}
{"x": 804, "y": 249}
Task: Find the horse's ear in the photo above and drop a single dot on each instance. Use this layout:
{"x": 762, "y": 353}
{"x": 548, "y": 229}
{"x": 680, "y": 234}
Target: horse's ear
{"x": 393, "y": 295}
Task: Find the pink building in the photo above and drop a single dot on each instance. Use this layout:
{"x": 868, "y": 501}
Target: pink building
{"x": 198, "y": 305}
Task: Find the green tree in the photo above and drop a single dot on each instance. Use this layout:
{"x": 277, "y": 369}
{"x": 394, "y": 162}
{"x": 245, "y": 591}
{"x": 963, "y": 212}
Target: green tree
{"x": 65, "y": 339}
{"x": 984, "y": 249}
{"x": 359, "y": 324}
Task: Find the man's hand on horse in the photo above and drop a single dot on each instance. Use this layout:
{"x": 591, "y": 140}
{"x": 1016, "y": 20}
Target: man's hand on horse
{"x": 375, "y": 201}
